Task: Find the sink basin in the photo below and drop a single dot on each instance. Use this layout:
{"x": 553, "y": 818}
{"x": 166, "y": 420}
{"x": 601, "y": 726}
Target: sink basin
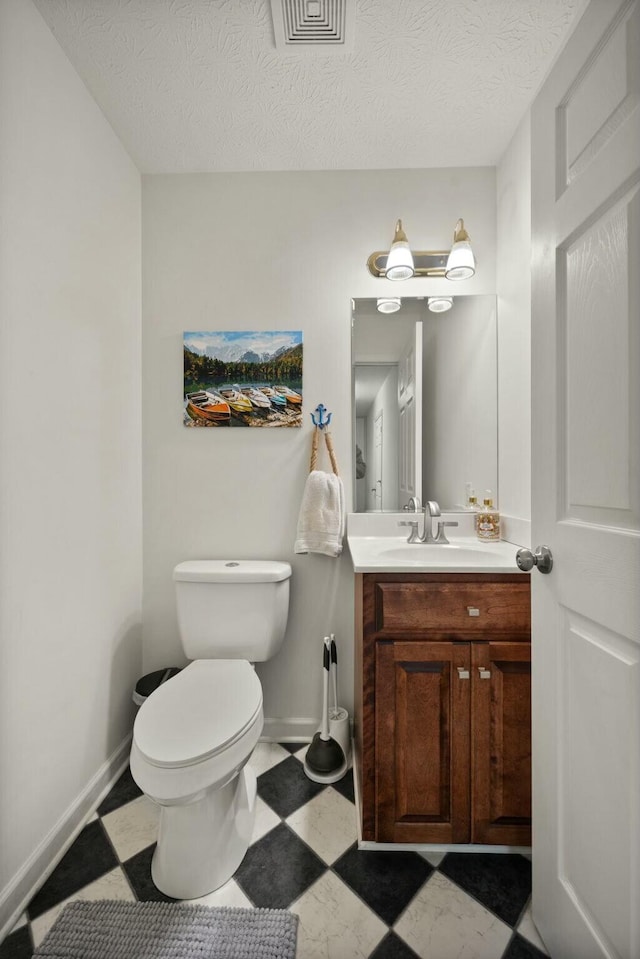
{"x": 428, "y": 553}
{"x": 463, "y": 554}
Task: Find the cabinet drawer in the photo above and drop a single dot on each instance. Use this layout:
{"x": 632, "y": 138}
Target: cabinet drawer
{"x": 446, "y": 606}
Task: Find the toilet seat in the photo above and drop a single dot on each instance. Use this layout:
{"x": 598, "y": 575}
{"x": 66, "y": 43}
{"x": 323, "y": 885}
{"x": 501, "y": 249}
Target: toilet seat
{"x": 200, "y": 713}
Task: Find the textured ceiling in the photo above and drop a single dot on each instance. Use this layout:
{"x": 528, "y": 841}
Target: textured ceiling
{"x": 198, "y": 85}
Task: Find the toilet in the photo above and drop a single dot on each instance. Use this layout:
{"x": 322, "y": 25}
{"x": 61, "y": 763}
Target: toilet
{"x": 193, "y": 736}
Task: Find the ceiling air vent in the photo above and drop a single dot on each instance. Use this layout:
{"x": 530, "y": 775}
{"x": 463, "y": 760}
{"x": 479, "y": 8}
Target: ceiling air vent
{"x": 322, "y": 25}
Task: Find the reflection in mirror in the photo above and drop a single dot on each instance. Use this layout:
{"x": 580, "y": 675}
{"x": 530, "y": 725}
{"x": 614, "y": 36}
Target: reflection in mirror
{"x": 424, "y": 402}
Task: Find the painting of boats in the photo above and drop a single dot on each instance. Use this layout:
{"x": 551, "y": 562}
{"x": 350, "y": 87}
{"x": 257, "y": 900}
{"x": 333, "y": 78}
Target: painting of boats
{"x": 249, "y": 379}
{"x": 276, "y": 399}
{"x": 236, "y": 400}
{"x": 290, "y": 395}
{"x": 208, "y": 405}
{"x": 256, "y": 397}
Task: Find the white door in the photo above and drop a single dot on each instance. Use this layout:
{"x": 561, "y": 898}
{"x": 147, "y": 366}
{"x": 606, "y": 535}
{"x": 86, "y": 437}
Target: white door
{"x": 586, "y": 490}
{"x": 378, "y": 436}
{"x": 410, "y": 417}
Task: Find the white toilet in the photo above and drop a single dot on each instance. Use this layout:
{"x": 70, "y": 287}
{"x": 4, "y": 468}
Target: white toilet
{"x": 193, "y": 736}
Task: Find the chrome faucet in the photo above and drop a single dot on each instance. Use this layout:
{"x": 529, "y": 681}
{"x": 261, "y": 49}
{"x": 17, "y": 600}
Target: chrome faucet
{"x": 431, "y": 509}
{"x": 413, "y": 506}
{"x": 431, "y": 512}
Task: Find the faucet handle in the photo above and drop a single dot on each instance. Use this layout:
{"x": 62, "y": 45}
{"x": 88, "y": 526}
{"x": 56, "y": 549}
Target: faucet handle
{"x": 440, "y": 535}
{"x": 413, "y": 535}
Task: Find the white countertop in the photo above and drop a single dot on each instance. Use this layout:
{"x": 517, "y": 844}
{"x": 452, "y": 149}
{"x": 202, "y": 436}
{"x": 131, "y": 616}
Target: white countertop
{"x": 382, "y": 549}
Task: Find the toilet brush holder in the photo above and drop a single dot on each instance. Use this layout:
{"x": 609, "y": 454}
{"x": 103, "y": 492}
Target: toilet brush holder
{"x": 340, "y": 730}
{"x": 325, "y": 760}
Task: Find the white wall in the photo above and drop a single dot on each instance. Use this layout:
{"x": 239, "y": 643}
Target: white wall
{"x": 513, "y": 271}
{"x": 273, "y": 251}
{"x": 70, "y": 551}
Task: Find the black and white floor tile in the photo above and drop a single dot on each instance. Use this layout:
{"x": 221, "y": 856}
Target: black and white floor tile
{"x": 304, "y": 857}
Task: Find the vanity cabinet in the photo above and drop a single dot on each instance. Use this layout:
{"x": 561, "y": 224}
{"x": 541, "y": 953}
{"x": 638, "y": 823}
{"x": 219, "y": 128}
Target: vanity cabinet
{"x": 443, "y": 707}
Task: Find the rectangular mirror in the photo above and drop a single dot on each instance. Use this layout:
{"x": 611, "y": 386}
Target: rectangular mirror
{"x": 425, "y": 402}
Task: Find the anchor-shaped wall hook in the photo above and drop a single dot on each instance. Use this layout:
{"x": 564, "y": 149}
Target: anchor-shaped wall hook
{"x": 321, "y": 422}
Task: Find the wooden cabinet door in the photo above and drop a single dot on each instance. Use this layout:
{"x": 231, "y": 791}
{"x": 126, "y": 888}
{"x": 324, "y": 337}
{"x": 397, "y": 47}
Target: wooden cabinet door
{"x": 501, "y": 743}
{"x": 422, "y": 693}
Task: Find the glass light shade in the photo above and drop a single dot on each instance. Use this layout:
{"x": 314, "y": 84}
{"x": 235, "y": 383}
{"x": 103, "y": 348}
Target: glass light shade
{"x": 440, "y": 304}
{"x": 461, "y": 263}
{"x": 389, "y": 304}
{"x": 399, "y": 260}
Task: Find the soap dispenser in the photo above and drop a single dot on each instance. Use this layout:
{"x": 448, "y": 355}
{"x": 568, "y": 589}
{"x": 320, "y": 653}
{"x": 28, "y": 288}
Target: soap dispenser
{"x": 488, "y": 520}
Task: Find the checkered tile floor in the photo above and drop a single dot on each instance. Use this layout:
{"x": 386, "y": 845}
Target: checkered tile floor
{"x": 304, "y": 857}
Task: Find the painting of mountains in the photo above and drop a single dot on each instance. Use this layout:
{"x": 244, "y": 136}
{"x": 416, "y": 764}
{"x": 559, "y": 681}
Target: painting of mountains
{"x": 241, "y": 378}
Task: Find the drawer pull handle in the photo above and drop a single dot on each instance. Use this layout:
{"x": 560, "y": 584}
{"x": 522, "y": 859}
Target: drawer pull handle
{"x": 484, "y": 673}
{"x": 463, "y": 673}
{"x": 473, "y": 611}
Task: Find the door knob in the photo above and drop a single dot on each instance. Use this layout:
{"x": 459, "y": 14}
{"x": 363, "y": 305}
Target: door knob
{"x": 541, "y": 558}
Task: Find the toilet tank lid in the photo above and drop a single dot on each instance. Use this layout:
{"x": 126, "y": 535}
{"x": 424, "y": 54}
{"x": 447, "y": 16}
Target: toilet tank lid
{"x": 231, "y": 570}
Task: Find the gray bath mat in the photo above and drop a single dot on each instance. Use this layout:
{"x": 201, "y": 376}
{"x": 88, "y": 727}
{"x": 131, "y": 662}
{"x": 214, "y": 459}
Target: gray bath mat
{"x": 161, "y": 930}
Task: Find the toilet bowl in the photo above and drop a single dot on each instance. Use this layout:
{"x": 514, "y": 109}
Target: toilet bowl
{"x": 192, "y": 739}
{"x": 194, "y": 735}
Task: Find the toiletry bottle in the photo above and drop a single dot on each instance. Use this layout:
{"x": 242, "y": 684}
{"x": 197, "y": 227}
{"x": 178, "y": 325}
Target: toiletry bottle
{"x": 488, "y": 520}
{"x": 472, "y": 505}
{"x": 470, "y": 499}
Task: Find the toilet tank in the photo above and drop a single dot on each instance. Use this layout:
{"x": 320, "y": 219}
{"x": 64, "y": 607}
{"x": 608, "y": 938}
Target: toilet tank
{"x": 232, "y": 609}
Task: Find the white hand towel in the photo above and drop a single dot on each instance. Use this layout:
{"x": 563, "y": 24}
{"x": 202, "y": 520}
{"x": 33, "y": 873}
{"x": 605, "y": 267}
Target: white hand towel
{"x": 321, "y": 522}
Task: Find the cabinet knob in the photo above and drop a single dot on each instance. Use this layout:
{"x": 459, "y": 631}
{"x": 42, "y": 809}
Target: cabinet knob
{"x": 484, "y": 673}
{"x": 473, "y": 611}
{"x": 463, "y": 673}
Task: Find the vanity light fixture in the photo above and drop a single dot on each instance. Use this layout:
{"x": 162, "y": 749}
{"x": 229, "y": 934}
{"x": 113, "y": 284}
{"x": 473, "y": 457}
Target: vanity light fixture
{"x": 389, "y": 304}
{"x": 400, "y": 263}
{"x": 440, "y": 304}
{"x": 461, "y": 263}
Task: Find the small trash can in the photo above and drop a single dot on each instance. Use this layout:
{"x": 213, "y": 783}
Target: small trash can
{"x": 147, "y": 684}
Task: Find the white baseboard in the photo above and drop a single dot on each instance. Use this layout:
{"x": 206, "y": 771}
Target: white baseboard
{"x": 294, "y": 730}
{"x": 24, "y": 885}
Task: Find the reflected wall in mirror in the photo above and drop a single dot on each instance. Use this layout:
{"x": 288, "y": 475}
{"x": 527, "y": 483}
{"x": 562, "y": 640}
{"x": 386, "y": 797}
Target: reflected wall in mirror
{"x": 425, "y": 403}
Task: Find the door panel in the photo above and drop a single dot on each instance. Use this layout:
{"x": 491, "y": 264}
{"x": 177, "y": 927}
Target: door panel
{"x": 598, "y": 667}
{"x": 601, "y": 99}
{"x": 599, "y": 417}
{"x": 410, "y": 417}
{"x": 377, "y": 491}
{"x": 585, "y": 133}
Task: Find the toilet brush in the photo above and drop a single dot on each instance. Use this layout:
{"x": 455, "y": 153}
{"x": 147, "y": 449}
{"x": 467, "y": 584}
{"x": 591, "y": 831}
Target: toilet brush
{"x": 325, "y": 761}
{"x": 339, "y": 726}
{"x": 334, "y": 676}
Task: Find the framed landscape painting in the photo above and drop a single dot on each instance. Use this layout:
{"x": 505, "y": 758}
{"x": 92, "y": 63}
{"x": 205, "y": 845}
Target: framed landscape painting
{"x": 243, "y": 378}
